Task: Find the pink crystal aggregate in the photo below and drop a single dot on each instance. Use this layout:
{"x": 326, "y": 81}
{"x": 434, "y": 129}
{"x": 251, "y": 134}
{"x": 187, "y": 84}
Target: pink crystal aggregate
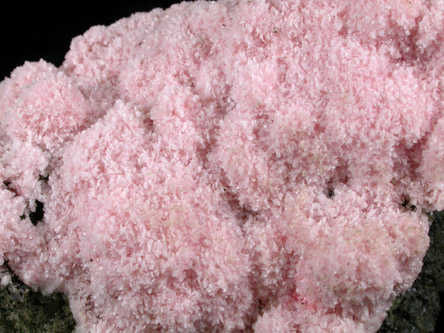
{"x": 229, "y": 166}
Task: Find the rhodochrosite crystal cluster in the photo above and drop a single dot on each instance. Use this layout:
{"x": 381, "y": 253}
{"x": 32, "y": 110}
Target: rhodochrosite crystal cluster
{"x": 229, "y": 166}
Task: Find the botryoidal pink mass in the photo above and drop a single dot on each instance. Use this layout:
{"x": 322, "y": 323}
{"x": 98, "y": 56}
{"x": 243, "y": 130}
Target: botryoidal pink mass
{"x": 229, "y": 166}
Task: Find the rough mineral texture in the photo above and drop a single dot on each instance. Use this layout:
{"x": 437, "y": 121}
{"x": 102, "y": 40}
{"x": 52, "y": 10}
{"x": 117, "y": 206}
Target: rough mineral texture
{"x": 28, "y": 311}
{"x": 416, "y": 311}
{"x": 231, "y": 165}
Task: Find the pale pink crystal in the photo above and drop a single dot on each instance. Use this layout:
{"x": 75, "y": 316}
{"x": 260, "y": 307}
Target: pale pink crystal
{"x": 229, "y": 165}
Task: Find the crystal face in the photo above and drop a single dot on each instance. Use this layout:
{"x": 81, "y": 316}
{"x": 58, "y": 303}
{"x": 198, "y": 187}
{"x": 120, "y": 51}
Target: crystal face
{"x": 228, "y": 165}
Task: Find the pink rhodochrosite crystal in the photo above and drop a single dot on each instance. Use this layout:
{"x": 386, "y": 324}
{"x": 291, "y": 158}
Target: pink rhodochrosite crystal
{"x": 229, "y": 166}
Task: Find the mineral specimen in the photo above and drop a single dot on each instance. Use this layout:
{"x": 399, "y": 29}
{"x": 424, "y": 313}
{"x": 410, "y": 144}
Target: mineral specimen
{"x": 229, "y": 165}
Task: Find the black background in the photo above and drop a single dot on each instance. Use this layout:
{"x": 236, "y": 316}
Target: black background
{"x": 44, "y": 30}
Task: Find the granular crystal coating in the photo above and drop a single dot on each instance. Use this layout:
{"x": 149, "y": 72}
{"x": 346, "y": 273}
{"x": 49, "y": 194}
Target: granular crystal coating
{"x": 230, "y": 165}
